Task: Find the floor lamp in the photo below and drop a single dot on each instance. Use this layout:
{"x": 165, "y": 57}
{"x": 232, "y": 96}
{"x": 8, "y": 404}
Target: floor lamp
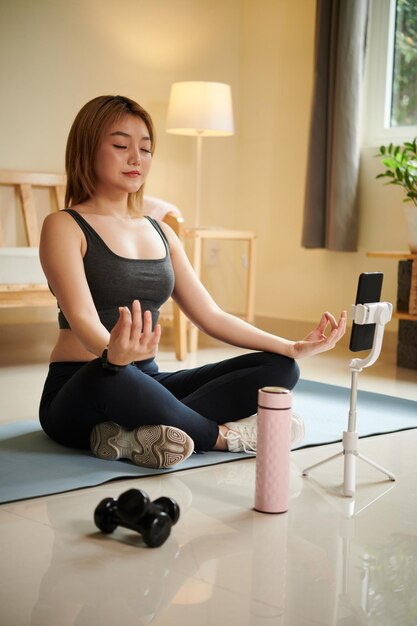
{"x": 200, "y": 109}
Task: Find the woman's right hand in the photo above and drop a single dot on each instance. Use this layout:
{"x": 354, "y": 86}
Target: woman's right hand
{"x": 317, "y": 341}
{"x": 130, "y": 339}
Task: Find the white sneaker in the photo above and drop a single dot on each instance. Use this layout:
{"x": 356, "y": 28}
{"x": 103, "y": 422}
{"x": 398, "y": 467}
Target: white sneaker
{"x": 242, "y": 435}
{"x": 297, "y": 429}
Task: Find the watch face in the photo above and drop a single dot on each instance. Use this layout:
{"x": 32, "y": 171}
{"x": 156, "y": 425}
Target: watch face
{"x": 110, "y": 366}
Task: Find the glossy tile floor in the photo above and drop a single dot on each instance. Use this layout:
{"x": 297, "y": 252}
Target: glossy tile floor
{"x": 329, "y": 560}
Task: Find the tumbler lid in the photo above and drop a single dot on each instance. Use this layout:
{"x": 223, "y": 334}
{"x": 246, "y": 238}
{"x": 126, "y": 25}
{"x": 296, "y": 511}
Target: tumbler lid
{"x": 274, "y": 398}
{"x": 275, "y": 390}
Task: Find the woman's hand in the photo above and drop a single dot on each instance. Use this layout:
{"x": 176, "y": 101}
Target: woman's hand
{"x": 130, "y": 339}
{"x": 317, "y": 341}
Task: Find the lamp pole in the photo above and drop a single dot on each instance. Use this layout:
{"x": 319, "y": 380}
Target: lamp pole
{"x": 199, "y": 156}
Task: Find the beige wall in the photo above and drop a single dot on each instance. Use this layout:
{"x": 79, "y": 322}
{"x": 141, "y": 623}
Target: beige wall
{"x": 55, "y": 55}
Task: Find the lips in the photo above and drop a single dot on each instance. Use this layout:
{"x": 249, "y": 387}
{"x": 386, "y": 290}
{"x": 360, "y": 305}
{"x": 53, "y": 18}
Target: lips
{"x": 132, "y": 174}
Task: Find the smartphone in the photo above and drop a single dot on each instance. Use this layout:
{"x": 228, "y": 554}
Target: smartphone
{"x": 369, "y": 290}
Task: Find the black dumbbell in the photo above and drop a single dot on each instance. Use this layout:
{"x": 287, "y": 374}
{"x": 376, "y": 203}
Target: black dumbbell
{"x": 135, "y": 511}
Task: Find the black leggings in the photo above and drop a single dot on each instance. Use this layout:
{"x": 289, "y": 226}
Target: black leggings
{"x": 77, "y": 396}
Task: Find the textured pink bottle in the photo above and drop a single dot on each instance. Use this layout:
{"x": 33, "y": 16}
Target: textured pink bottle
{"x": 273, "y": 450}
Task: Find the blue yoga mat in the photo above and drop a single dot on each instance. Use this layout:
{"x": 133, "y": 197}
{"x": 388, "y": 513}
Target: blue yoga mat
{"x": 32, "y": 465}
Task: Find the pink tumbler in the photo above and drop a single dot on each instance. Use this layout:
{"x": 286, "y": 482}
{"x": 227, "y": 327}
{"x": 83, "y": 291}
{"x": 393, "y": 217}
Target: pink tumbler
{"x": 273, "y": 450}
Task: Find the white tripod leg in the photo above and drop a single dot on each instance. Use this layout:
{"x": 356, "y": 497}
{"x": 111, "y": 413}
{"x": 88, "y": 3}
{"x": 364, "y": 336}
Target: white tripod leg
{"x": 388, "y": 474}
{"x": 308, "y": 469}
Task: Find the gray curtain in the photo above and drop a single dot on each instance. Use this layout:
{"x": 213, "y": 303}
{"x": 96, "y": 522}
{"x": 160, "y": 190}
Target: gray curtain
{"x": 330, "y": 210}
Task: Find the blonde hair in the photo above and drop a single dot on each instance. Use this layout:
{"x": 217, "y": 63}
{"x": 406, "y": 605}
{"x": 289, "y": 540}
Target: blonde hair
{"x": 84, "y": 137}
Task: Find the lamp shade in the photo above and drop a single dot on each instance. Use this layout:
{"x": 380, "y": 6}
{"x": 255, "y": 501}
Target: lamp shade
{"x": 200, "y": 108}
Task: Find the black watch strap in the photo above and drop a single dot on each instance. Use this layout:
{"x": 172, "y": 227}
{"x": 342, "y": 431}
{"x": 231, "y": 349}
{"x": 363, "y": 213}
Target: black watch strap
{"x": 110, "y": 366}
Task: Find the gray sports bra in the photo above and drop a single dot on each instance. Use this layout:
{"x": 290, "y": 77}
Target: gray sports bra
{"x": 116, "y": 281}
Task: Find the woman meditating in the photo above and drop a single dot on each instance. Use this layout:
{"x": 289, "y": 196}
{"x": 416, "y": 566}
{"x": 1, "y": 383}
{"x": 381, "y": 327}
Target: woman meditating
{"x": 111, "y": 269}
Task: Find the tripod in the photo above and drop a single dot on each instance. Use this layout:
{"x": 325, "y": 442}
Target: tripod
{"x": 378, "y": 313}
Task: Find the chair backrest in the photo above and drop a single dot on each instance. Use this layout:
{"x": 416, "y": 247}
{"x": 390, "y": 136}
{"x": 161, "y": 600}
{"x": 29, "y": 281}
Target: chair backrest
{"x": 158, "y": 208}
{"x": 24, "y": 183}
{"x": 165, "y": 212}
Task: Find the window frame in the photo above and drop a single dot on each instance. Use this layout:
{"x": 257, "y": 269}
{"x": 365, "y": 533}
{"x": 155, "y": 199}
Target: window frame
{"x": 377, "y": 95}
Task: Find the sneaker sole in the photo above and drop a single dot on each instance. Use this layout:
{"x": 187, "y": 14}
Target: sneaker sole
{"x": 156, "y": 447}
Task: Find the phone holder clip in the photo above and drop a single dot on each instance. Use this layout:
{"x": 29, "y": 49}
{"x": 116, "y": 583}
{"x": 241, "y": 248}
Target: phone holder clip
{"x": 378, "y": 313}
{"x": 375, "y": 313}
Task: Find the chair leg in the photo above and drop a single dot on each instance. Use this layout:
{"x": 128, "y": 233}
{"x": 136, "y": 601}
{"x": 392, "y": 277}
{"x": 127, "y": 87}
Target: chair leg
{"x": 196, "y": 263}
{"x": 250, "y": 285}
{"x": 180, "y": 332}
{"x": 193, "y": 338}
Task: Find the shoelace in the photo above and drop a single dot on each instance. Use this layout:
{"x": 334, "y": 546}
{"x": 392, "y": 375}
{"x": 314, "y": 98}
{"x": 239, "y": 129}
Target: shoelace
{"x": 247, "y": 438}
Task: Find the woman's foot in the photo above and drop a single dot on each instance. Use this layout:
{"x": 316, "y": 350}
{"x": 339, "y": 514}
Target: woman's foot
{"x": 297, "y": 429}
{"x": 149, "y": 446}
{"x": 241, "y": 435}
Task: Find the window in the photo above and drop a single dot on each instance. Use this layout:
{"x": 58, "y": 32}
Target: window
{"x": 403, "y": 109}
{"x": 390, "y": 94}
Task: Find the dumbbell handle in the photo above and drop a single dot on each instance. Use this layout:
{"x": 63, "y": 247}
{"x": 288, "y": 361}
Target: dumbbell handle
{"x": 121, "y": 521}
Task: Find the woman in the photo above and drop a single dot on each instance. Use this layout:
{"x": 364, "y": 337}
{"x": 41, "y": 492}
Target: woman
{"x": 111, "y": 269}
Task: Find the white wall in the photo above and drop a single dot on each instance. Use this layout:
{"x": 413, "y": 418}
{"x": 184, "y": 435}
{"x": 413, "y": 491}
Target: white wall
{"x": 55, "y": 55}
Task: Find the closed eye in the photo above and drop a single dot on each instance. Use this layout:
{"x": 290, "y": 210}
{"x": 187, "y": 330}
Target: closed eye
{"x": 120, "y": 147}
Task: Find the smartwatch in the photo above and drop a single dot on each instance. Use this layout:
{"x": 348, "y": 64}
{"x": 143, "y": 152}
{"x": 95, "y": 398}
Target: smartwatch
{"x": 109, "y": 366}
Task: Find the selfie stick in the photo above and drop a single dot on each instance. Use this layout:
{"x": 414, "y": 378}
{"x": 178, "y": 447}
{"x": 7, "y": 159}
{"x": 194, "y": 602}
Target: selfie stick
{"x": 378, "y": 313}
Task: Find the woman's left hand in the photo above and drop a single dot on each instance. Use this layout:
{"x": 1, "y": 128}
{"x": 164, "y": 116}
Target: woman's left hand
{"x": 317, "y": 341}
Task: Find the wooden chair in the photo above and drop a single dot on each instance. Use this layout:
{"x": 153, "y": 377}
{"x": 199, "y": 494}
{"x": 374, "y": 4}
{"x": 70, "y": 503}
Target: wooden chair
{"x": 175, "y": 318}
{"x": 19, "y": 291}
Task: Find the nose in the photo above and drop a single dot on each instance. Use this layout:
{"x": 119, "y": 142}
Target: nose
{"x": 135, "y": 157}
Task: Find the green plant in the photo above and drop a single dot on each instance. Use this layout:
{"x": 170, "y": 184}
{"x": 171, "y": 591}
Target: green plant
{"x": 401, "y": 167}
